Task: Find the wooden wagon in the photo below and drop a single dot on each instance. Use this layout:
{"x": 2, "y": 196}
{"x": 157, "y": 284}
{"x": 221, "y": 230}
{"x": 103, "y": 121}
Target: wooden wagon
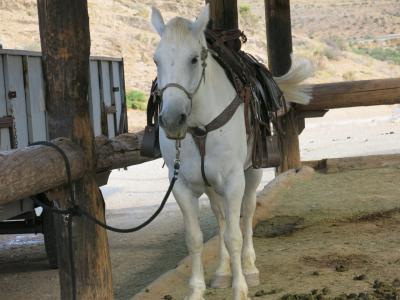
{"x": 23, "y": 121}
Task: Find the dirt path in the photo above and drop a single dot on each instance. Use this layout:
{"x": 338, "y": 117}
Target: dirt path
{"x": 137, "y": 259}
{"x": 348, "y": 227}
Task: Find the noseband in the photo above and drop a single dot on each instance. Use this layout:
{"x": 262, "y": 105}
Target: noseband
{"x": 190, "y": 95}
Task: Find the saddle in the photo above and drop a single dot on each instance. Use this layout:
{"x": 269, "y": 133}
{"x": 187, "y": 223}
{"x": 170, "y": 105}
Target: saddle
{"x": 256, "y": 89}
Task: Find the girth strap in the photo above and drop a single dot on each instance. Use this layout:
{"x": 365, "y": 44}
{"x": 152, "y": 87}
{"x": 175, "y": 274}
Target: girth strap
{"x": 200, "y": 135}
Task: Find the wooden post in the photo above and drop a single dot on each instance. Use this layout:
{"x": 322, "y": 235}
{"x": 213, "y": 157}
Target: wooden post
{"x": 279, "y": 39}
{"x": 65, "y": 40}
{"x": 224, "y": 16}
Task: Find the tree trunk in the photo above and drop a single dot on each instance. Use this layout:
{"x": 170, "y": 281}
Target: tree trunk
{"x": 65, "y": 40}
{"x": 279, "y": 40}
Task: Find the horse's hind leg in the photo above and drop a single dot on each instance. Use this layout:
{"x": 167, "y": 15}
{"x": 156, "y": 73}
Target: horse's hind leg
{"x": 251, "y": 273}
{"x": 223, "y": 276}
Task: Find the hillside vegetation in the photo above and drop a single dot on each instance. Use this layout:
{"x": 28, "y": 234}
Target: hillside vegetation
{"x": 339, "y": 36}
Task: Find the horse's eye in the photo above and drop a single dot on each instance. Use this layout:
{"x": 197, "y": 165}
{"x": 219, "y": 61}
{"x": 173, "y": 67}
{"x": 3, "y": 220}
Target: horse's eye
{"x": 194, "y": 60}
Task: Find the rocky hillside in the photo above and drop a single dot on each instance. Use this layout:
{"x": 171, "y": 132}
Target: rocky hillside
{"x": 328, "y": 32}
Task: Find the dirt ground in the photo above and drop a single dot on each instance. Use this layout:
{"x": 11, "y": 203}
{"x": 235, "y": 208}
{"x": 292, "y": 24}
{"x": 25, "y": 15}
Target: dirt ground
{"x": 135, "y": 258}
{"x": 132, "y": 195}
{"x": 348, "y": 227}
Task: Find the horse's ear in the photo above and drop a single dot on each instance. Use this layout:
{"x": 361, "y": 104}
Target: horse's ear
{"x": 157, "y": 20}
{"x": 202, "y": 20}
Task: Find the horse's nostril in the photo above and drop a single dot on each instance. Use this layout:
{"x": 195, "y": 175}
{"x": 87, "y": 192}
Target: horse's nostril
{"x": 182, "y": 119}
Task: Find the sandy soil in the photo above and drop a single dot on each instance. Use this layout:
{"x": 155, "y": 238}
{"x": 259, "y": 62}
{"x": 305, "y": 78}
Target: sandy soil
{"x": 348, "y": 228}
{"x": 24, "y": 271}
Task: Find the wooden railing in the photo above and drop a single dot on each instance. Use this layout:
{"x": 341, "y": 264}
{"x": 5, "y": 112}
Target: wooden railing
{"x": 354, "y": 93}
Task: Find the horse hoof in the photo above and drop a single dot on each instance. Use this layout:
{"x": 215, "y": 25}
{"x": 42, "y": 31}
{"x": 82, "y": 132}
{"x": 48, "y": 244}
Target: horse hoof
{"x": 221, "y": 282}
{"x": 241, "y": 296}
{"x": 252, "y": 279}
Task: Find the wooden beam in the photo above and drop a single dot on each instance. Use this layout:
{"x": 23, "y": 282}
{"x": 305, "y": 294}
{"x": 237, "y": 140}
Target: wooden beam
{"x": 279, "y": 35}
{"x": 354, "y": 93}
{"x": 224, "y": 16}
{"x": 279, "y": 42}
{"x": 65, "y": 41}
{"x": 34, "y": 170}
{"x": 334, "y": 165}
{"x": 119, "y": 152}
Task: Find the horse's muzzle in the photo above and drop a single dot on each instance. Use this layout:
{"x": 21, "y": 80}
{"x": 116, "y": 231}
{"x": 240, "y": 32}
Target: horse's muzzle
{"x": 175, "y": 128}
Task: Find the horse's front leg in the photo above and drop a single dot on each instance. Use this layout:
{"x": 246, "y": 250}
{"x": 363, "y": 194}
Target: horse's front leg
{"x": 234, "y": 191}
{"x": 188, "y": 202}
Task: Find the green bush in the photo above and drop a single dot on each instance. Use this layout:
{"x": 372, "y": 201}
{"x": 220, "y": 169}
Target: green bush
{"x": 136, "y": 99}
{"x": 384, "y": 54}
{"x": 244, "y": 9}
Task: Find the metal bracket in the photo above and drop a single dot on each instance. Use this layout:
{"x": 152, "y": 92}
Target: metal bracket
{"x": 111, "y": 109}
{"x": 12, "y": 95}
{"x": 115, "y": 89}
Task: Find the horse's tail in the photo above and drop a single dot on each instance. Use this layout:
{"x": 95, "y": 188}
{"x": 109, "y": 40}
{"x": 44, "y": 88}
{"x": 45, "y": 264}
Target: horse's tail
{"x": 290, "y": 82}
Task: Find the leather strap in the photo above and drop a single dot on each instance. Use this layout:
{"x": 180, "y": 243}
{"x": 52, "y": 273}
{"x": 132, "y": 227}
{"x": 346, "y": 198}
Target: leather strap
{"x": 6, "y": 122}
{"x": 200, "y": 136}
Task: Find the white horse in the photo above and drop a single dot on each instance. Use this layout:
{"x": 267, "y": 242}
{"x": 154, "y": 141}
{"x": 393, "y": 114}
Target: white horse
{"x": 195, "y": 89}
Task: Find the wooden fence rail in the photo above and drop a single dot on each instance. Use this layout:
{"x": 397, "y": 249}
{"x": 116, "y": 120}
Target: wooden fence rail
{"x": 37, "y": 169}
{"x": 353, "y": 93}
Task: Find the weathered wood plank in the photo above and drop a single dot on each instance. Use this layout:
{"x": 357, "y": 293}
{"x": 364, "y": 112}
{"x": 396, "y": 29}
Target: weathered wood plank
{"x": 65, "y": 41}
{"x": 35, "y": 103}
{"x": 39, "y": 54}
{"x": 17, "y": 106}
{"x": 123, "y": 122}
{"x": 4, "y": 132}
{"x": 94, "y": 98}
{"x": 116, "y": 93}
{"x": 334, "y": 165}
{"x": 354, "y": 93}
{"x": 279, "y": 40}
{"x": 106, "y": 95}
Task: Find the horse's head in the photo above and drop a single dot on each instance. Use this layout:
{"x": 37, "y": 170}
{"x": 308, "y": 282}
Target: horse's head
{"x": 181, "y": 60}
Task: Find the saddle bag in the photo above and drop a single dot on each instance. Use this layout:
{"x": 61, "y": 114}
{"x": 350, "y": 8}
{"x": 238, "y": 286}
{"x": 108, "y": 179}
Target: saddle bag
{"x": 271, "y": 156}
{"x": 151, "y": 143}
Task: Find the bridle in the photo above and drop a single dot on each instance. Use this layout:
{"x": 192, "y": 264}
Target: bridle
{"x": 198, "y": 134}
{"x": 203, "y": 56}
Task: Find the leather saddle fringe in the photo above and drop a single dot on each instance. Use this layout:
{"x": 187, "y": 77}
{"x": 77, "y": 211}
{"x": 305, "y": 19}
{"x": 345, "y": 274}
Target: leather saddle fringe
{"x": 257, "y": 88}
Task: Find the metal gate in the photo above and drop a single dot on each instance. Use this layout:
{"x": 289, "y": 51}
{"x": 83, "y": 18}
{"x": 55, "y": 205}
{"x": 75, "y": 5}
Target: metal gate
{"x": 22, "y": 98}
